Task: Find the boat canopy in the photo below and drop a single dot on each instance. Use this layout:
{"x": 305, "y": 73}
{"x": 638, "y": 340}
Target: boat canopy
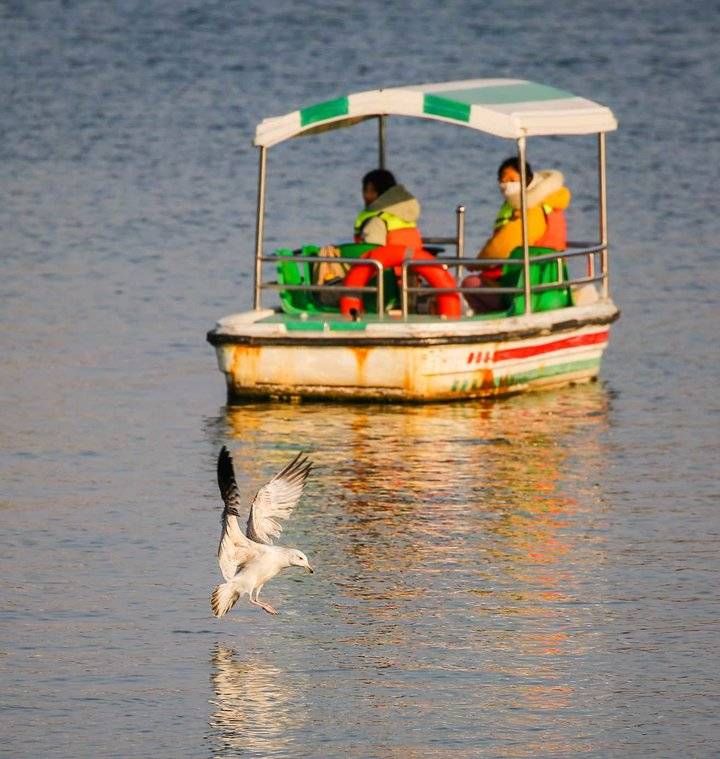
{"x": 510, "y": 108}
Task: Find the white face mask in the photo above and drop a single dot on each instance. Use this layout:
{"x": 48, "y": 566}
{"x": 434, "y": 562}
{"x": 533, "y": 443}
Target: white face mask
{"x": 509, "y": 188}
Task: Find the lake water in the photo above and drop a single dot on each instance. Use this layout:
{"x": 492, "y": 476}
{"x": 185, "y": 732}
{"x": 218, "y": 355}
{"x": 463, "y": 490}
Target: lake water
{"x": 533, "y": 577}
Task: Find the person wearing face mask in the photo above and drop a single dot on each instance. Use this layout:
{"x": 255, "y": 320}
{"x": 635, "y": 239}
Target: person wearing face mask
{"x": 547, "y": 199}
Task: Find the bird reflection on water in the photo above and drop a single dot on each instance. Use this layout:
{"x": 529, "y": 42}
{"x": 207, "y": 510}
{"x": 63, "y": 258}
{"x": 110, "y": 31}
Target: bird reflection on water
{"x": 255, "y": 709}
{"x": 459, "y": 544}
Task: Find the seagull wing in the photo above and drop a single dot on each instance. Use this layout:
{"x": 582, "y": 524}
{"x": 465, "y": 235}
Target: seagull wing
{"x": 276, "y": 500}
{"x": 235, "y": 550}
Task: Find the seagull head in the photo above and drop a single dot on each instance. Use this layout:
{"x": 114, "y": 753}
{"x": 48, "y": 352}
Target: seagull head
{"x": 298, "y": 559}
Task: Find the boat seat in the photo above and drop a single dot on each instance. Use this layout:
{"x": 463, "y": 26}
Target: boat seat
{"x": 293, "y": 272}
{"x": 543, "y": 273}
{"x": 296, "y": 273}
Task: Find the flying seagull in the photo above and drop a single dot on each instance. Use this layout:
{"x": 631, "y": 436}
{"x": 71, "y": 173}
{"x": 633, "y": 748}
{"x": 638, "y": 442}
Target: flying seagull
{"x": 247, "y": 561}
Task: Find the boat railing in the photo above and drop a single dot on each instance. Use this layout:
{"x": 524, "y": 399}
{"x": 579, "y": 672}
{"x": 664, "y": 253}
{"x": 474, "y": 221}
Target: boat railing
{"x": 575, "y": 250}
{"x": 409, "y": 289}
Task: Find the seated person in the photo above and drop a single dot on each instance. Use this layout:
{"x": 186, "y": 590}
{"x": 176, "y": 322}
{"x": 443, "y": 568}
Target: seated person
{"x": 389, "y": 218}
{"x": 390, "y": 214}
{"x": 547, "y": 199}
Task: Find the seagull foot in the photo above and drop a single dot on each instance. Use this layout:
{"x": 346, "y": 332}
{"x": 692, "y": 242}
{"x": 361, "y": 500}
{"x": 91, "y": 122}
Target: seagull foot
{"x": 266, "y": 607}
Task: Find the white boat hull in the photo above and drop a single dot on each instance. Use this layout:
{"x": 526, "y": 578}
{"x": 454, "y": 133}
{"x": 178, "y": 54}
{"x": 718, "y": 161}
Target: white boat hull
{"x": 402, "y": 361}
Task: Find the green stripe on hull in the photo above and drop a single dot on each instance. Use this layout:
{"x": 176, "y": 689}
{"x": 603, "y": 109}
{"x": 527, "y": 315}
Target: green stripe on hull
{"x": 547, "y": 371}
{"x": 330, "y": 109}
{"x": 524, "y": 378}
{"x": 322, "y": 325}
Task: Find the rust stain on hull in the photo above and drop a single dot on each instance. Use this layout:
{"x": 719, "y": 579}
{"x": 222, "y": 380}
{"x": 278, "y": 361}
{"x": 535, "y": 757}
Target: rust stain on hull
{"x": 361, "y": 357}
{"x": 363, "y": 373}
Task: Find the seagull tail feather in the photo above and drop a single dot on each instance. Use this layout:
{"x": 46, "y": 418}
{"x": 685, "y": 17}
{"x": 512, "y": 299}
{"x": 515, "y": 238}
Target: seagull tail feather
{"x": 223, "y": 598}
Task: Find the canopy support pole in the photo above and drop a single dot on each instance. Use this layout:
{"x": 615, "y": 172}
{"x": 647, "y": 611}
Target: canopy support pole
{"x": 523, "y": 217}
{"x": 602, "y": 198}
{"x": 381, "y": 142}
{"x": 260, "y": 224}
{"x": 460, "y": 230}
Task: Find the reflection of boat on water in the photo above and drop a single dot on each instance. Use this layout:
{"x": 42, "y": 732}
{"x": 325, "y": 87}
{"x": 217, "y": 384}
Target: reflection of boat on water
{"x": 378, "y": 346}
{"x": 414, "y": 474}
{"x": 380, "y": 435}
{"x": 255, "y": 708}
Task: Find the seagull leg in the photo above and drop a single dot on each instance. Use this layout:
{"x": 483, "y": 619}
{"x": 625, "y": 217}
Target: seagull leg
{"x": 266, "y": 607}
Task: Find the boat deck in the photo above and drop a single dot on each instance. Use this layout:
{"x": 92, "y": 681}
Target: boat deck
{"x": 336, "y": 322}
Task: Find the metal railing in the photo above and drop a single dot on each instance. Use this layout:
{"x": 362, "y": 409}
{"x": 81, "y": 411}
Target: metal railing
{"x": 408, "y": 289}
{"x": 590, "y": 252}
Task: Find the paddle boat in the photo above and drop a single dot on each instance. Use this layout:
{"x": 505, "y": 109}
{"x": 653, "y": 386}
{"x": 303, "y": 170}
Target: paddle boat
{"x": 400, "y": 328}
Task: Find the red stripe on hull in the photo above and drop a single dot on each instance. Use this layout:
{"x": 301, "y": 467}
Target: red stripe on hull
{"x": 570, "y": 342}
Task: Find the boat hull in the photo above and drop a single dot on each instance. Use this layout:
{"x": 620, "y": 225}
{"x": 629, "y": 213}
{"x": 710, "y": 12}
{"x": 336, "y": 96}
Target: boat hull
{"x": 412, "y": 363}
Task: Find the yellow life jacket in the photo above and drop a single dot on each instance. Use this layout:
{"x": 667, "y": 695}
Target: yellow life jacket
{"x": 392, "y": 222}
{"x": 505, "y": 214}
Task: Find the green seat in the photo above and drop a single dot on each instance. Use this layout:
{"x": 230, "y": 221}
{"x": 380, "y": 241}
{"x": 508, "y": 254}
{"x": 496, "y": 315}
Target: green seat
{"x": 293, "y": 272}
{"x": 543, "y": 273}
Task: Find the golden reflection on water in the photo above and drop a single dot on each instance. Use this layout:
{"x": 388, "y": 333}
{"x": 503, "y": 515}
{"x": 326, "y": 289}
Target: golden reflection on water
{"x": 437, "y": 523}
{"x": 421, "y": 474}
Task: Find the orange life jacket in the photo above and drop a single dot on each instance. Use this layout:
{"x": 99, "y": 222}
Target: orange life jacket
{"x": 399, "y": 232}
{"x": 555, "y": 234}
{"x": 409, "y": 237}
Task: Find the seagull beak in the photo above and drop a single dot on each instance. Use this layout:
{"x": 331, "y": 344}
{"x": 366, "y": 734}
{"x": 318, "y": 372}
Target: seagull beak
{"x": 310, "y": 569}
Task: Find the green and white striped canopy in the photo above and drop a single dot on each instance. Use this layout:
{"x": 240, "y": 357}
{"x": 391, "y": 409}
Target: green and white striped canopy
{"x": 509, "y": 108}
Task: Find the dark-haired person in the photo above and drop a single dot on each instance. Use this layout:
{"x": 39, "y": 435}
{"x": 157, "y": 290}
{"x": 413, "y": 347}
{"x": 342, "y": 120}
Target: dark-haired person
{"x": 389, "y": 218}
{"x": 391, "y": 213}
{"x": 547, "y": 199}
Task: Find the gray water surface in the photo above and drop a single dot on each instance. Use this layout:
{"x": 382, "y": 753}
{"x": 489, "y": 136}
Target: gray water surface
{"x": 534, "y": 577}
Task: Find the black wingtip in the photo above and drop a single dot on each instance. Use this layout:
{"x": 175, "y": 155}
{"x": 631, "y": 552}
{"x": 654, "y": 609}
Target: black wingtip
{"x": 225, "y": 471}
{"x": 224, "y": 458}
{"x": 298, "y": 468}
